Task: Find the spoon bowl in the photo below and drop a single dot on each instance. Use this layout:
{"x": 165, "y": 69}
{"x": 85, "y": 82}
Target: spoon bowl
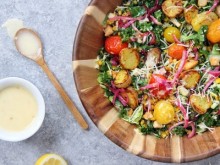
{"x": 28, "y": 43}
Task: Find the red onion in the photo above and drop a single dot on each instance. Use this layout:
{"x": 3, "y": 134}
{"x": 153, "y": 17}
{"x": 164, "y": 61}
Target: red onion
{"x": 124, "y": 18}
{"x": 122, "y": 100}
{"x": 154, "y": 20}
{"x": 176, "y": 40}
{"x": 149, "y": 106}
{"x": 149, "y": 86}
{"x": 155, "y": 8}
{"x": 193, "y": 130}
{"x": 196, "y": 54}
{"x": 185, "y": 115}
{"x": 136, "y": 29}
{"x": 215, "y": 4}
{"x": 180, "y": 69}
{"x": 212, "y": 79}
{"x": 153, "y": 37}
{"x": 175, "y": 125}
{"x": 214, "y": 73}
{"x": 114, "y": 61}
{"x": 129, "y": 23}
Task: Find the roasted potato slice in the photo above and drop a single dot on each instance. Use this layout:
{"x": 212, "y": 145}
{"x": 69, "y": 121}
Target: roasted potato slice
{"x": 190, "y": 78}
{"x": 172, "y": 8}
{"x": 190, "y": 64}
{"x": 122, "y": 79}
{"x": 129, "y": 58}
{"x": 203, "y": 19}
{"x": 202, "y": 3}
{"x": 191, "y": 13}
{"x": 132, "y": 97}
{"x": 153, "y": 57}
{"x": 200, "y": 103}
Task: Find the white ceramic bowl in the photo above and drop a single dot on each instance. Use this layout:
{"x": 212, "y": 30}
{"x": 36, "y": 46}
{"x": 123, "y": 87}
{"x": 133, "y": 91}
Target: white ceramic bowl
{"x": 37, "y": 121}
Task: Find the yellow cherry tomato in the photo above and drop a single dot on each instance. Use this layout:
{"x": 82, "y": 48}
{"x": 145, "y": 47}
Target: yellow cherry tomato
{"x": 169, "y": 32}
{"x": 164, "y": 112}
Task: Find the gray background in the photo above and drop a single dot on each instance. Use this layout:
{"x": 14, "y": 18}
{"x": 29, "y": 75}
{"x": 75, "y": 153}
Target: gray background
{"x": 56, "y": 21}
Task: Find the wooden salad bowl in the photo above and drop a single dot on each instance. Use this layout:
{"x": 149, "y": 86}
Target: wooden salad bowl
{"x": 89, "y": 39}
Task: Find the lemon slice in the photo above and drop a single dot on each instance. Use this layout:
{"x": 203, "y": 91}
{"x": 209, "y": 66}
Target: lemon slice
{"x": 51, "y": 159}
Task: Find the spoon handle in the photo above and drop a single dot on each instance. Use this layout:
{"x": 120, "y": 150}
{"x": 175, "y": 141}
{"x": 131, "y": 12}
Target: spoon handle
{"x": 79, "y": 118}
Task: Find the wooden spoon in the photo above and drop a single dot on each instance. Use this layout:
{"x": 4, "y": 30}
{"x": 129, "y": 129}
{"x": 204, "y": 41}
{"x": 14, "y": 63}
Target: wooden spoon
{"x": 29, "y": 44}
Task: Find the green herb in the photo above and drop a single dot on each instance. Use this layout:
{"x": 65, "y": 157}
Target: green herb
{"x": 104, "y": 78}
{"x": 198, "y": 37}
{"x": 126, "y": 33}
{"x": 137, "y": 11}
{"x": 179, "y": 130}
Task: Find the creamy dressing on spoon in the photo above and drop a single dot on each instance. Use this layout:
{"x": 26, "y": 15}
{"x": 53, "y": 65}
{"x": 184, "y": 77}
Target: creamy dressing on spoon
{"x": 18, "y": 108}
{"x": 28, "y": 44}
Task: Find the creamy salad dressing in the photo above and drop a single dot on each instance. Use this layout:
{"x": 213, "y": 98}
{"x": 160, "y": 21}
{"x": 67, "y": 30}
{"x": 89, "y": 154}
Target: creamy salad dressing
{"x": 18, "y": 108}
{"x": 12, "y": 26}
{"x": 28, "y": 44}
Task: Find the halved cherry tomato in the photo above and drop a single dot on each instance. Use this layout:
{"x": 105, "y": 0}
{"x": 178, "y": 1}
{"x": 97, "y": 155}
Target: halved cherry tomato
{"x": 114, "y": 45}
{"x": 176, "y": 51}
{"x": 160, "y": 91}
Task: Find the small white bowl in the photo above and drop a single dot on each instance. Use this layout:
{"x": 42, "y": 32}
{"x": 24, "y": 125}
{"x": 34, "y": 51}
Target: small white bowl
{"x": 37, "y": 121}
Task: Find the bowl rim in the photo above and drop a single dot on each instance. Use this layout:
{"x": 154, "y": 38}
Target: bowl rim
{"x": 36, "y": 123}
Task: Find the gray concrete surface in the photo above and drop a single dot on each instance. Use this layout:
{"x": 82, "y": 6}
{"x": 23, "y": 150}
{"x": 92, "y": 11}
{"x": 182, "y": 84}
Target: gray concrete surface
{"x": 56, "y": 21}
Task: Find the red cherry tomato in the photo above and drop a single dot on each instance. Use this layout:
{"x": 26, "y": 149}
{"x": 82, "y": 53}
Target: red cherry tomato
{"x": 114, "y": 45}
{"x": 161, "y": 90}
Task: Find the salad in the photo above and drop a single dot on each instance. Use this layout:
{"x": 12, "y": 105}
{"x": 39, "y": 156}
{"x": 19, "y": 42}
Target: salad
{"x": 160, "y": 65}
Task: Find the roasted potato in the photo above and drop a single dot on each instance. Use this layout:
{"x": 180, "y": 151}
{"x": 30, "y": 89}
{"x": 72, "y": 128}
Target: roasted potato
{"x": 190, "y": 64}
{"x": 200, "y": 103}
{"x": 203, "y": 19}
{"x": 172, "y": 8}
{"x": 132, "y": 97}
{"x": 190, "y": 78}
{"x": 108, "y": 31}
{"x": 153, "y": 57}
{"x": 189, "y": 14}
{"x": 202, "y": 3}
{"x": 122, "y": 79}
{"x": 129, "y": 58}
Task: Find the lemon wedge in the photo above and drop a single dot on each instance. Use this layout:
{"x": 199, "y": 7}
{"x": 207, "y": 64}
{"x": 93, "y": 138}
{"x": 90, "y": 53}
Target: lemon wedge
{"x": 51, "y": 159}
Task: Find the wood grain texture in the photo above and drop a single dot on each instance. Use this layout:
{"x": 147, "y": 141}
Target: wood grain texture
{"x": 88, "y": 40}
{"x": 79, "y": 118}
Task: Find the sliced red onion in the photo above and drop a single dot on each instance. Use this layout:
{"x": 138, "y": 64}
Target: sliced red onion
{"x": 214, "y": 73}
{"x": 149, "y": 86}
{"x": 114, "y": 61}
{"x": 193, "y": 133}
{"x": 196, "y": 54}
{"x": 124, "y": 18}
{"x": 113, "y": 85}
{"x": 175, "y": 125}
{"x": 163, "y": 82}
{"x": 212, "y": 79}
{"x": 136, "y": 29}
{"x": 154, "y": 8}
{"x": 180, "y": 69}
{"x": 129, "y": 23}
{"x": 154, "y": 20}
{"x": 215, "y": 4}
{"x": 153, "y": 39}
{"x": 149, "y": 106}
{"x": 184, "y": 112}
{"x": 122, "y": 100}
{"x": 176, "y": 40}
